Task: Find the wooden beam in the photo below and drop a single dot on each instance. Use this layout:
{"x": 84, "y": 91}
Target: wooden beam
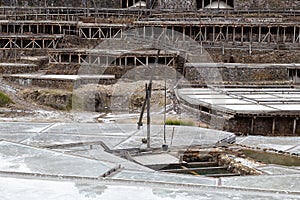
{"x": 193, "y": 169}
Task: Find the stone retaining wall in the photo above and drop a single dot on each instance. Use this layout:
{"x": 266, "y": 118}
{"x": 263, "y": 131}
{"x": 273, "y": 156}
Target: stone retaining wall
{"x": 267, "y": 5}
{"x": 65, "y": 84}
{"x": 263, "y": 126}
{"x": 243, "y": 74}
{"x": 178, "y": 4}
{"x": 167, "y": 4}
{"x": 64, "y": 3}
{"x": 17, "y": 69}
{"x": 257, "y": 56}
{"x": 47, "y": 83}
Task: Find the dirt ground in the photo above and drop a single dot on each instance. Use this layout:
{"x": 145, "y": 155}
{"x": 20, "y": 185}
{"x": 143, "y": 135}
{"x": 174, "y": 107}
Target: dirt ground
{"x": 131, "y": 93}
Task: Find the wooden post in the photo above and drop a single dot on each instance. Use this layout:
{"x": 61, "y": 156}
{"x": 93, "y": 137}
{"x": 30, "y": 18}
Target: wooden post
{"x": 242, "y": 34}
{"x": 259, "y": 33}
{"x": 59, "y": 58}
{"x": 165, "y": 106}
{"x": 298, "y": 38}
{"x": 295, "y": 126}
{"x": 294, "y": 35}
{"x": 227, "y": 34}
{"x": 148, "y": 114}
{"x": 252, "y": 125}
{"x": 233, "y": 34}
{"x": 284, "y": 34}
{"x": 251, "y": 34}
{"x": 273, "y": 126}
{"x": 214, "y": 33}
{"x": 172, "y": 33}
{"x": 278, "y": 34}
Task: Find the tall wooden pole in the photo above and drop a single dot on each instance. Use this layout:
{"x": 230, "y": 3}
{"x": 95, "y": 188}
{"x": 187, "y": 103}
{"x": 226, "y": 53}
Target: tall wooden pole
{"x": 148, "y": 114}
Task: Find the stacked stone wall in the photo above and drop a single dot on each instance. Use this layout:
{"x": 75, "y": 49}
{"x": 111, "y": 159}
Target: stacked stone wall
{"x": 256, "y": 56}
{"x": 267, "y": 5}
{"x": 262, "y": 126}
{"x": 166, "y": 4}
{"x": 240, "y": 127}
{"x": 64, "y": 3}
{"x": 17, "y": 69}
{"x": 245, "y": 74}
{"x": 178, "y": 4}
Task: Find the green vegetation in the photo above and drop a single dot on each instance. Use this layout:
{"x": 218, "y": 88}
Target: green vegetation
{"x": 70, "y": 104}
{"x": 179, "y": 122}
{"x": 5, "y": 100}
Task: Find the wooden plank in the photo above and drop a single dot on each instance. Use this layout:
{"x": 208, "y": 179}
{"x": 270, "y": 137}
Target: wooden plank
{"x": 193, "y": 169}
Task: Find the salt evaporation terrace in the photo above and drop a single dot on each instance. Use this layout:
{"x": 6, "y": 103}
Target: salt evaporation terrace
{"x": 44, "y": 159}
{"x": 109, "y": 161}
